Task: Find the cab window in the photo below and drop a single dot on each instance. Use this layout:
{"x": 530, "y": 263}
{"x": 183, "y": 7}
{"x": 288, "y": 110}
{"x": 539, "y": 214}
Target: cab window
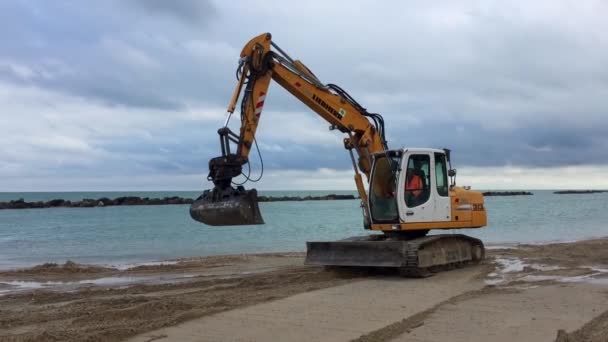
{"x": 383, "y": 203}
{"x": 417, "y": 180}
{"x": 441, "y": 175}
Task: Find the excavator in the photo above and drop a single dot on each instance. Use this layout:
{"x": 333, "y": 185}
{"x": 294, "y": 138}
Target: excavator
{"x": 408, "y": 188}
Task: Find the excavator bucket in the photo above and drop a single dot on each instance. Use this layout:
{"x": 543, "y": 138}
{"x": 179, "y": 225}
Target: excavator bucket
{"x": 227, "y": 208}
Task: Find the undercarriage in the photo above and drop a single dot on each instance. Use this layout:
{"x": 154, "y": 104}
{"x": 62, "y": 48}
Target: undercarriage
{"x": 412, "y": 257}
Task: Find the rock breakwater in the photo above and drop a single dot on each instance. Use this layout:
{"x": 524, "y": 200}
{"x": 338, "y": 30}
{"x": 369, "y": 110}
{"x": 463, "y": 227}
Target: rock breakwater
{"x": 135, "y": 200}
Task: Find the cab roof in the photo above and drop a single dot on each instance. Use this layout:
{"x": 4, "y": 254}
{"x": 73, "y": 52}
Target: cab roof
{"x": 414, "y": 149}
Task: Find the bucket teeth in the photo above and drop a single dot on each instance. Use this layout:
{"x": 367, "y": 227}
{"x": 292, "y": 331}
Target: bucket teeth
{"x": 228, "y": 207}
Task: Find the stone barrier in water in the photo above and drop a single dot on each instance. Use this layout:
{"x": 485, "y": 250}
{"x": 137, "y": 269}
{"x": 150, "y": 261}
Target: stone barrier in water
{"x": 331, "y": 197}
{"x": 507, "y": 193}
{"x": 89, "y": 202}
{"x": 135, "y": 200}
{"x": 570, "y": 192}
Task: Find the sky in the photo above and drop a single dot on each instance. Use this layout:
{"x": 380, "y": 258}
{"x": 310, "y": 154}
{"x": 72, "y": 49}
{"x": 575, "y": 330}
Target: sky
{"x": 129, "y": 94}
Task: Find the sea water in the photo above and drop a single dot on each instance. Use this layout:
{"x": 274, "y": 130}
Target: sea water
{"x": 122, "y": 235}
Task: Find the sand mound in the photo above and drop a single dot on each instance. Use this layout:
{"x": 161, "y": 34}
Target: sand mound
{"x": 69, "y": 267}
{"x": 582, "y": 253}
{"x": 113, "y": 314}
{"x": 595, "y": 330}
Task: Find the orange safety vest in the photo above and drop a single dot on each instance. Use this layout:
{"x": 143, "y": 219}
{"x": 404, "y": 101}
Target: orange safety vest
{"x": 415, "y": 185}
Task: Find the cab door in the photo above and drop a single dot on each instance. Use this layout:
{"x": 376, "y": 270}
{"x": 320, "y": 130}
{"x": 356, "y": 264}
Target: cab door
{"x": 416, "y": 195}
{"x": 441, "y": 188}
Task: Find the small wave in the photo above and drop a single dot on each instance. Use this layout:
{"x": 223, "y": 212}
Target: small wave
{"x": 5, "y": 239}
{"x": 503, "y": 246}
{"x": 128, "y": 266}
{"x": 15, "y": 286}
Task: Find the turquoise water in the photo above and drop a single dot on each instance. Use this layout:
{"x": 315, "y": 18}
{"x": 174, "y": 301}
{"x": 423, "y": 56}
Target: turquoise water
{"x": 126, "y": 235}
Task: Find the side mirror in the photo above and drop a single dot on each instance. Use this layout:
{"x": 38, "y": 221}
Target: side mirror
{"x": 452, "y": 174}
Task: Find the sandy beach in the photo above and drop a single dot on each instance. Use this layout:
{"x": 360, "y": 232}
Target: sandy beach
{"x": 524, "y": 293}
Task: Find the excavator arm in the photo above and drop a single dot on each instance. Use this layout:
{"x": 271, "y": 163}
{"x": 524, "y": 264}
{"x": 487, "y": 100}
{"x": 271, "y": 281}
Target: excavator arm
{"x": 262, "y": 61}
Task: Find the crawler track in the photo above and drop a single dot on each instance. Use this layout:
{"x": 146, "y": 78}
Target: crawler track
{"x": 416, "y": 257}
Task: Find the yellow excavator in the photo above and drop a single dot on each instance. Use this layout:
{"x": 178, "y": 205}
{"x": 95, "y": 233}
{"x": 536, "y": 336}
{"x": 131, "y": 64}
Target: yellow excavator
{"x": 408, "y": 188}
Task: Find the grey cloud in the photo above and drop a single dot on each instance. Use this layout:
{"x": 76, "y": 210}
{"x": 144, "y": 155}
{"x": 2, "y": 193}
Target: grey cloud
{"x": 500, "y": 84}
{"x": 533, "y": 146}
{"x": 110, "y": 57}
{"x": 117, "y": 94}
{"x": 191, "y": 11}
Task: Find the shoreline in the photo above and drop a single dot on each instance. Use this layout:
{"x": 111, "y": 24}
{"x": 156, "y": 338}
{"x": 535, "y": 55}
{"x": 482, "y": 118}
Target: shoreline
{"x": 73, "y": 302}
{"x": 56, "y": 273}
{"x": 131, "y": 264}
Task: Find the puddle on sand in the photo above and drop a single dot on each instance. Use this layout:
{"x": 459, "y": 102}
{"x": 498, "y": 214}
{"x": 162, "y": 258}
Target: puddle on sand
{"x": 509, "y": 265}
{"x": 15, "y": 286}
{"x": 588, "y": 278}
{"x": 508, "y": 269}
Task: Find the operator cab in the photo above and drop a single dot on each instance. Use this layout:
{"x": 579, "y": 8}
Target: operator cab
{"x": 410, "y": 185}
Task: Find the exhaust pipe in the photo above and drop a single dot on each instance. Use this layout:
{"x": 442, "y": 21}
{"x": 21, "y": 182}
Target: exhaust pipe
{"x": 227, "y": 207}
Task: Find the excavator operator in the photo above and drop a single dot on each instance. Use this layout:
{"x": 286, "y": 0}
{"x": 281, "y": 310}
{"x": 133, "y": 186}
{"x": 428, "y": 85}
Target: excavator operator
{"x": 415, "y": 189}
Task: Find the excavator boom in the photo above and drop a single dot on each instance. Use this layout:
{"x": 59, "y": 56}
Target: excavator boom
{"x": 258, "y": 65}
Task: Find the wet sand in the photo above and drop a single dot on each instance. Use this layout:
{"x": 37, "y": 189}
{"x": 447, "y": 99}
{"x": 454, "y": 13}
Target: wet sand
{"x": 529, "y": 292}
